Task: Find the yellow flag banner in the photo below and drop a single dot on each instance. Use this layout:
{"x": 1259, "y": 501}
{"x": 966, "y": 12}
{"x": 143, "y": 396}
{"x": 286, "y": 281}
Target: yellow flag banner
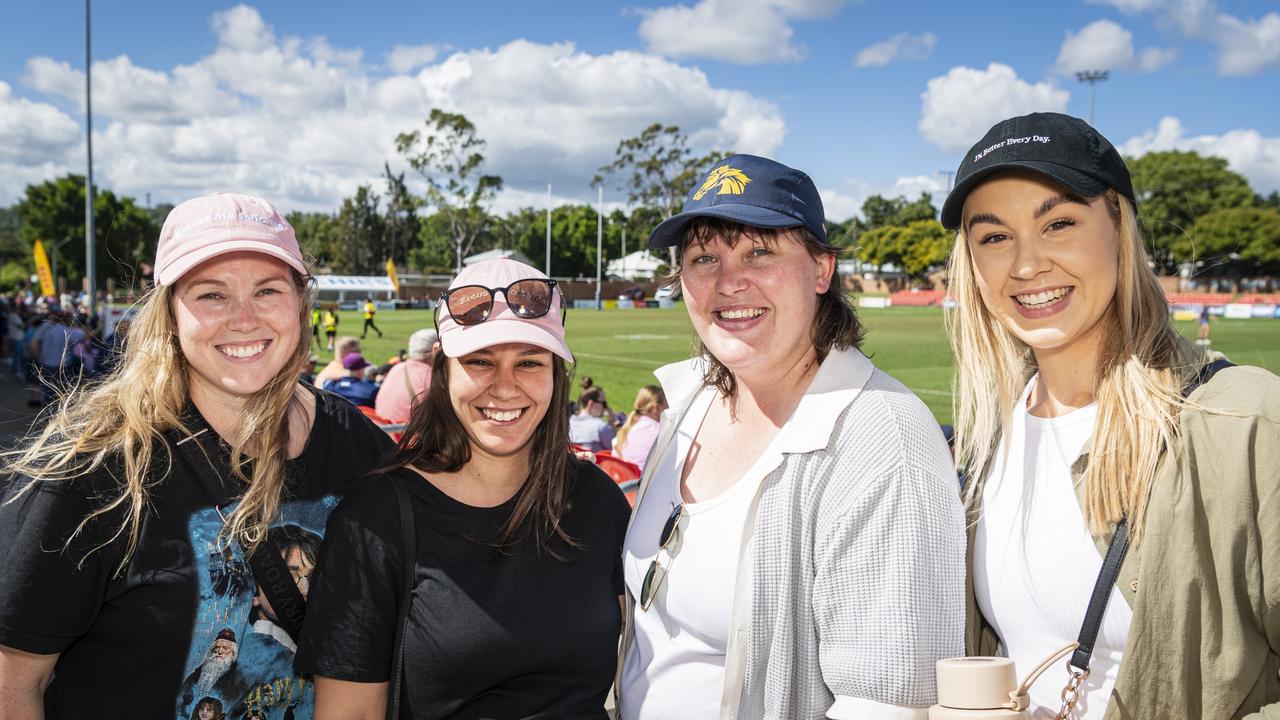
{"x": 42, "y": 269}
{"x": 391, "y": 274}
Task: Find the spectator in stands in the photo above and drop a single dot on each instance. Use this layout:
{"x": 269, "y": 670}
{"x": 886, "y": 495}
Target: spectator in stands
{"x": 406, "y": 381}
{"x": 513, "y": 609}
{"x": 352, "y": 385}
{"x": 588, "y": 428}
{"x": 334, "y": 370}
{"x": 797, "y": 547}
{"x": 55, "y": 348}
{"x": 637, "y": 435}
{"x": 308, "y": 374}
{"x": 1084, "y": 419}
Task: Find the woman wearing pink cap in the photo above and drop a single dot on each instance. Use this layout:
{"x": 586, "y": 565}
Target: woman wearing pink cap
{"x": 160, "y": 530}
{"x": 511, "y": 546}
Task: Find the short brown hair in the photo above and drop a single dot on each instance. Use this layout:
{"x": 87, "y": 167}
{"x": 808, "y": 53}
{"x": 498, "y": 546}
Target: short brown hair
{"x": 835, "y": 325}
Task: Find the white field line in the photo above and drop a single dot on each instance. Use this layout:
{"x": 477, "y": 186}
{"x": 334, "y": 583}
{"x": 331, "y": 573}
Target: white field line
{"x": 651, "y": 364}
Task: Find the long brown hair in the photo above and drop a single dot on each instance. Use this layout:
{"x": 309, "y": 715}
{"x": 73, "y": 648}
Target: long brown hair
{"x": 122, "y": 418}
{"x": 1137, "y": 385}
{"x": 835, "y": 324}
{"x": 435, "y": 441}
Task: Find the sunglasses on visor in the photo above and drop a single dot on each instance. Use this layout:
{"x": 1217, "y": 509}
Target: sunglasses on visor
{"x": 472, "y": 304}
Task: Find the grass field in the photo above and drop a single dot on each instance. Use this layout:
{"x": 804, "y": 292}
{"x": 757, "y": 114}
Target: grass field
{"x": 619, "y": 349}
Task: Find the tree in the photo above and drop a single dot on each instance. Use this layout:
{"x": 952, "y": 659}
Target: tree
{"x": 1173, "y": 189}
{"x": 1248, "y": 235}
{"x": 657, "y": 168}
{"x": 401, "y": 223}
{"x": 124, "y": 233}
{"x": 359, "y": 233}
{"x": 447, "y": 155}
{"x": 927, "y": 246}
{"x": 317, "y": 235}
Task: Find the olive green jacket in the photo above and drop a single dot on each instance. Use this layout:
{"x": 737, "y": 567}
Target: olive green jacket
{"x": 1204, "y": 579}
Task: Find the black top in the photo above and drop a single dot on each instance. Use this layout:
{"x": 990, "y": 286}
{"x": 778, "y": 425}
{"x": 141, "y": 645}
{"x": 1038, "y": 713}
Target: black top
{"x": 143, "y": 643}
{"x": 521, "y": 635}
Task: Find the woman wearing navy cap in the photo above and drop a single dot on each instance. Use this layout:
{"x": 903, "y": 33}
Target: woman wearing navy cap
{"x": 1086, "y": 422}
{"x": 795, "y": 546}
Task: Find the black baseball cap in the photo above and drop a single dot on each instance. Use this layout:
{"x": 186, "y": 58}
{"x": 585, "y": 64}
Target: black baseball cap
{"x": 750, "y": 190}
{"x": 1064, "y": 149}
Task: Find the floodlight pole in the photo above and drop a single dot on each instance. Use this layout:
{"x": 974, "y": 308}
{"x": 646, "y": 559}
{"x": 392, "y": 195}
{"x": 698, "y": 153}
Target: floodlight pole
{"x": 599, "y": 242}
{"x": 547, "y": 266}
{"x": 89, "y": 269}
{"x": 1093, "y": 77}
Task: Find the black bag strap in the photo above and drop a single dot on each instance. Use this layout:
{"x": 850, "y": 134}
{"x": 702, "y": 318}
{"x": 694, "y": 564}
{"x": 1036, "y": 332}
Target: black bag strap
{"x": 1116, "y": 552}
{"x": 408, "y": 545}
{"x": 1101, "y": 594}
{"x": 267, "y": 562}
{"x": 1206, "y": 372}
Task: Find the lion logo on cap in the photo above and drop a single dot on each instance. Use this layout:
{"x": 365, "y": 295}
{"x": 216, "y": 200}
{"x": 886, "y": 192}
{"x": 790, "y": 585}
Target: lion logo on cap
{"x": 731, "y": 181}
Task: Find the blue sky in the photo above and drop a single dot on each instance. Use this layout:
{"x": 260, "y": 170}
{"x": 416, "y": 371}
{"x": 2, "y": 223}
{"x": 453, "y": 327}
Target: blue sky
{"x": 301, "y": 102}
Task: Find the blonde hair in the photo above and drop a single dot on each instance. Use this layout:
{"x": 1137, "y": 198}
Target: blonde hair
{"x": 1144, "y": 365}
{"x": 122, "y": 419}
{"x": 649, "y": 397}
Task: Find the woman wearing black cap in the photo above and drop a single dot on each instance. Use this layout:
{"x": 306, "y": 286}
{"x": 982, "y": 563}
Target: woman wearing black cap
{"x": 795, "y": 550}
{"x": 1084, "y": 422}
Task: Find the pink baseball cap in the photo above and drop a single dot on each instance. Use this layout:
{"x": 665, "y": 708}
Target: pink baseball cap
{"x": 502, "y": 325}
{"x": 213, "y": 225}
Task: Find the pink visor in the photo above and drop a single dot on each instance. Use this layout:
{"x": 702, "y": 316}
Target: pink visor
{"x": 213, "y": 225}
{"x": 502, "y": 325}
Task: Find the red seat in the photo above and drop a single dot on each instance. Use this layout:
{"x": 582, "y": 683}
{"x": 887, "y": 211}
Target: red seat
{"x": 625, "y": 474}
{"x": 379, "y": 421}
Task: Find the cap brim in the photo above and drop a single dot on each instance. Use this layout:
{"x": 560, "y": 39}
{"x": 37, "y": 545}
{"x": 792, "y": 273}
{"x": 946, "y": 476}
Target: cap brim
{"x": 500, "y": 331}
{"x": 181, "y": 266}
{"x": 671, "y": 231}
{"x": 1070, "y": 178}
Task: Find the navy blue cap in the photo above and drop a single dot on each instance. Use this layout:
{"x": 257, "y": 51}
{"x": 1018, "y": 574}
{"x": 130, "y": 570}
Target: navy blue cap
{"x": 750, "y": 190}
{"x": 1065, "y": 149}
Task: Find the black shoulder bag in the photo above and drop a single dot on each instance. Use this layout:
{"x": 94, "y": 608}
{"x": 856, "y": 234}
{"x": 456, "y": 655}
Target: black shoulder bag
{"x": 409, "y": 545}
{"x": 1078, "y": 666}
{"x": 267, "y": 561}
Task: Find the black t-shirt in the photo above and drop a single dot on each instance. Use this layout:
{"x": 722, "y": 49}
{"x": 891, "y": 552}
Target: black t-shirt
{"x": 521, "y": 635}
{"x": 179, "y": 625}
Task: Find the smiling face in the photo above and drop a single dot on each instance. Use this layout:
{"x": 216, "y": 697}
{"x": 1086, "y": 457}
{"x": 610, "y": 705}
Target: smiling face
{"x": 1046, "y": 261}
{"x": 753, "y": 304}
{"x": 500, "y": 395}
{"x": 238, "y": 325}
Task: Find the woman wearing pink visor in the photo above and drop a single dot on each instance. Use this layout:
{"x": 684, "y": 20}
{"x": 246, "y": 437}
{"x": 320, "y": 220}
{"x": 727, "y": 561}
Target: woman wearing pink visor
{"x": 157, "y": 534}
{"x": 497, "y": 592}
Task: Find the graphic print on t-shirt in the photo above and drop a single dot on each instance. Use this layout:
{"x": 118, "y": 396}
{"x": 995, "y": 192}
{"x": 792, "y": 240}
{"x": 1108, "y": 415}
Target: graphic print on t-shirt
{"x": 241, "y": 662}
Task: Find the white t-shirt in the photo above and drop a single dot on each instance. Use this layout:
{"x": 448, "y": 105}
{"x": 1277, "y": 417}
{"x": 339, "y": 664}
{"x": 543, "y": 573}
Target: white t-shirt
{"x": 675, "y": 667}
{"x": 1035, "y": 563}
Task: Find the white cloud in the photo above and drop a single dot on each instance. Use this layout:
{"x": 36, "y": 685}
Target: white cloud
{"x": 1245, "y": 47}
{"x": 296, "y": 121}
{"x": 1130, "y": 6}
{"x": 959, "y": 107}
{"x": 1104, "y": 45}
{"x": 31, "y": 132}
{"x": 1246, "y": 151}
{"x": 737, "y": 31}
{"x": 1248, "y": 48}
{"x": 406, "y": 58}
{"x": 846, "y": 201}
{"x": 902, "y": 46}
